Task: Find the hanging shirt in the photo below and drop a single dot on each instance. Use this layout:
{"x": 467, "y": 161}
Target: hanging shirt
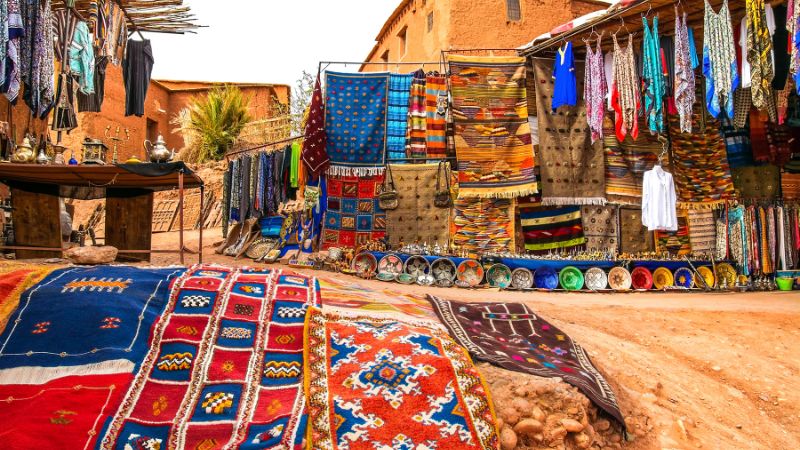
{"x": 625, "y": 91}
{"x": 759, "y": 52}
{"x": 719, "y": 60}
{"x": 81, "y": 57}
{"x": 659, "y": 201}
{"x": 594, "y": 90}
{"x": 293, "y": 173}
{"x": 565, "y": 91}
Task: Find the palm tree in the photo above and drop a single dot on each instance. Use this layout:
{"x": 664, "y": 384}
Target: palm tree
{"x": 214, "y": 122}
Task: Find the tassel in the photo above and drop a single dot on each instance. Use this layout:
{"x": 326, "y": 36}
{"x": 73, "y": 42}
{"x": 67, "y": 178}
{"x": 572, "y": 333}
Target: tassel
{"x": 568, "y": 201}
{"x": 347, "y": 171}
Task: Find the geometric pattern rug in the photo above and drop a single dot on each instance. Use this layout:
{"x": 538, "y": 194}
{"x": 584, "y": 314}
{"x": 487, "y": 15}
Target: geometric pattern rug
{"x": 382, "y": 384}
{"x": 353, "y": 216}
{"x": 14, "y": 280}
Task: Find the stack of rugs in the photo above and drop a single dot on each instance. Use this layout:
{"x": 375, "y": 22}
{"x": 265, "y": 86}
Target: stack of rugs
{"x": 217, "y": 357}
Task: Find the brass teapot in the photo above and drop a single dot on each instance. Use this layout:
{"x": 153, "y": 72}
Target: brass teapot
{"x": 24, "y": 152}
{"x": 158, "y": 151}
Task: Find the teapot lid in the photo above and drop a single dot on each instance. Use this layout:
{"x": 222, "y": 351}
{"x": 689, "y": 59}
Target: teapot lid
{"x": 26, "y": 143}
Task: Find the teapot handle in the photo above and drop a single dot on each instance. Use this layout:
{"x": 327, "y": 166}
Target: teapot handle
{"x": 146, "y": 143}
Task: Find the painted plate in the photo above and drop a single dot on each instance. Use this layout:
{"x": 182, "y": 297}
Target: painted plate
{"x": 571, "y": 278}
{"x": 499, "y": 276}
{"x": 417, "y": 266}
{"x": 684, "y": 278}
{"x": 708, "y": 276}
{"x": 405, "y": 278}
{"x": 364, "y": 264}
{"x": 425, "y": 279}
{"x": 662, "y": 278}
{"x": 470, "y": 272}
{"x": 546, "y": 278}
{"x": 596, "y": 279}
{"x": 521, "y": 278}
{"x": 728, "y": 273}
{"x": 641, "y": 278}
{"x": 386, "y": 276}
{"x": 260, "y": 247}
{"x": 390, "y": 263}
{"x": 619, "y": 279}
{"x": 444, "y": 269}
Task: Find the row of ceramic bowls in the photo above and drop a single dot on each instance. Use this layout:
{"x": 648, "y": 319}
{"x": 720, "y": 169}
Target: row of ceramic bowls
{"x": 470, "y": 273}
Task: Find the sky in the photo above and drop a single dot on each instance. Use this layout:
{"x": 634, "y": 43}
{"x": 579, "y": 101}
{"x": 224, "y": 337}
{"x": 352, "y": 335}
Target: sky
{"x": 269, "y": 41}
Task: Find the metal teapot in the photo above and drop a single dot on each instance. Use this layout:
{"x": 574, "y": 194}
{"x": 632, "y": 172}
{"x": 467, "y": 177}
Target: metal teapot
{"x": 158, "y": 151}
{"x": 24, "y": 152}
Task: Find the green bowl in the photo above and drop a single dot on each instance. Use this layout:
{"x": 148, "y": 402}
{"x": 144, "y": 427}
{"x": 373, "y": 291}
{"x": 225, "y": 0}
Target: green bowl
{"x": 784, "y": 283}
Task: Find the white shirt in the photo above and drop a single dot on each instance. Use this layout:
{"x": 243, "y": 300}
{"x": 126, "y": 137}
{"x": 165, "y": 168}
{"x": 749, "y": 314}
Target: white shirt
{"x": 746, "y": 78}
{"x": 659, "y": 201}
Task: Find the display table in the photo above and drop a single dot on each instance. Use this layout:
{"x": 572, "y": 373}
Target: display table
{"x": 127, "y": 188}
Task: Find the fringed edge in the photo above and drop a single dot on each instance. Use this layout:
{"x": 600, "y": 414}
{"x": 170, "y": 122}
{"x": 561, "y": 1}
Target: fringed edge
{"x": 490, "y": 192}
{"x": 716, "y": 204}
{"x": 347, "y": 171}
{"x": 569, "y": 201}
{"x": 41, "y": 375}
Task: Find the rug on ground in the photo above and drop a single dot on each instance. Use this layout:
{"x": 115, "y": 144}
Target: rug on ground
{"x": 224, "y": 367}
{"x": 15, "y": 278}
{"x": 353, "y": 216}
{"x": 512, "y": 336}
{"x": 376, "y": 383}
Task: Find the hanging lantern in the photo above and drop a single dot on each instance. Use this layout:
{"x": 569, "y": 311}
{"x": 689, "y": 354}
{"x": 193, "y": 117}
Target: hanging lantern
{"x": 94, "y": 151}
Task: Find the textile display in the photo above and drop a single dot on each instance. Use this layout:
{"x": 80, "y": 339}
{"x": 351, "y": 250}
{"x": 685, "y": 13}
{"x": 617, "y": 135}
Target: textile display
{"x": 314, "y": 151}
{"x": 633, "y": 235}
{"x": 757, "y": 182}
{"x": 548, "y": 228}
{"x": 14, "y": 280}
{"x": 136, "y": 70}
{"x": 355, "y": 122}
{"x": 225, "y": 365}
{"x": 565, "y": 91}
{"x": 627, "y": 161}
{"x": 573, "y": 168}
{"x": 702, "y": 175}
{"x": 790, "y": 185}
{"x": 600, "y": 228}
{"x": 416, "y": 144}
{"x": 74, "y": 331}
{"x": 397, "y": 115}
{"x": 702, "y": 231}
{"x": 435, "y": 115}
{"x": 492, "y": 134}
{"x": 416, "y": 218}
{"x": 344, "y": 296}
{"x": 511, "y": 336}
{"x": 67, "y": 412}
{"x": 737, "y": 144}
{"x": 675, "y": 242}
{"x": 483, "y": 225}
{"x": 659, "y": 200}
{"x": 381, "y": 383}
{"x": 353, "y": 216}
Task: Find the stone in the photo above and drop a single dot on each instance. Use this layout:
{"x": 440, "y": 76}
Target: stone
{"x": 538, "y": 414}
{"x": 508, "y": 439}
{"x": 602, "y": 425}
{"x": 582, "y": 440}
{"x": 572, "y": 425}
{"x": 521, "y": 405}
{"x": 556, "y": 434}
{"x": 92, "y": 255}
{"x": 528, "y": 427}
{"x": 510, "y": 415}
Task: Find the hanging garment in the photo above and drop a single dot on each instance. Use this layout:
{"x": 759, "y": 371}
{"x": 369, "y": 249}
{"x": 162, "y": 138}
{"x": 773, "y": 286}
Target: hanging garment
{"x": 594, "y": 90}
{"x": 625, "y": 91}
{"x": 684, "y": 86}
{"x": 742, "y": 35}
{"x": 608, "y": 69}
{"x": 315, "y": 155}
{"x": 780, "y": 48}
{"x": 565, "y": 92}
{"x": 759, "y": 53}
{"x": 94, "y": 102}
{"x": 397, "y": 115}
{"x": 415, "y": 136}
{"x": 738, "y": 240}
{"x": 295, "y": 167}
{"x": 136, "y": 71}
{"x": 12, "y": 81}
{"x": 81, "y": 58}
{"x": 652, "y": 77}
{"x": 64, "y": 117}
{"x": 65, "y": 24}
{"x": 37, "y": 57}
{"x": 435, "y": 112}
{"x": 719, "y": 60}
{"x": 693, "y": 48}
{"x": 3, "y": 39}
{"x": 659, "y": 201}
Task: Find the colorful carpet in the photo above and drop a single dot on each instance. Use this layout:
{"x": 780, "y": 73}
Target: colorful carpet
{"x": 633, "y": 236}
{"x": 435, "y": 114}
{"x": 757, "y": 182}
{"x": 353, "y": 216}
{"x": 702, "y": 231}
{"x": 675, "y": 242}
{"x": 600, "y": 228}
{"x": 66, "y": 324}
{"x": 416, "y": 135}
{"x": 513, "y": 337}
{"x": 225, "y": 365}
{"x": 492, "y": 134}
{"x": 572, "y": 168}
{"x": 383, "y": 384}
{"x": 15, "y": 278}
{"x": 627, "y": 161}
{"x": 790, "y": 187}
{"x": 547, "y": 228}
{"x": 482, "y": 224}
{"x": 355, "y": 122}
{"x": 416, "y": 218}
{"x": 397, "y": 115}
{"x": 349, "y": 297}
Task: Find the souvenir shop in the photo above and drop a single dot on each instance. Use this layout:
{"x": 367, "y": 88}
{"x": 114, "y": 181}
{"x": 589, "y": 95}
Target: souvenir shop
{"x": 648, "y": 146}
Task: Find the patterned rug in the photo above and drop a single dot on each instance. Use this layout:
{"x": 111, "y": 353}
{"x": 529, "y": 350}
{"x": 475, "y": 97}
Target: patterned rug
{"x": 482, "y": 225}
{"x": 633, "y": 236}
{"x": 416, "y": 135}
{"x": 572, "y": 167}
{"x": 737, "y": 144}
{"x": 225, "y": 365}
{"x": 382, "y": 384}
{"x": 353, "y": 215}
{"x": 340, "y": 296}
{"x": 600, "y": 228}
{"x": 416, "y": 218}
{"x": 675, "y": 242}
{"x": 511, "y": 336}
{"x": 15, "y": 278}
{"x": 435, "y": 113}
{"x": 492, "y": 134}
{"x": 355, "y": 122}
{"x": 702, "y": 231}
{"x": 397, "y": 115}
{"x": 627, "y": 161}
{"x": 80, "y": 321}
{"x": 757, "y": 182}
{"x": 790, "y": 185}
{"x": 548, "y": 228}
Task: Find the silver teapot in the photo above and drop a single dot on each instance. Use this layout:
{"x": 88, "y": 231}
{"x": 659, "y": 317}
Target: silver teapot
{"x": 158, "y": 151}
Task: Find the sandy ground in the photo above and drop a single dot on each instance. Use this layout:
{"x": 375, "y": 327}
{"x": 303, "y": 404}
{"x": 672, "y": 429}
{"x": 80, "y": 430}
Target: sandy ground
{"x": 699, "y": 370}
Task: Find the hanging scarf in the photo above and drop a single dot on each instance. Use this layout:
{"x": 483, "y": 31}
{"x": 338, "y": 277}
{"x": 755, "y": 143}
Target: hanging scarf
{"x": 759, "y": 52}
{"x": 625, "y": 91}
{"x": 226, "y": 199}
{"x": 294, "y": 168}
{"x": 652, "y": 77}
{"x": 236, "y": 190}
{"x": 416, "y": 140}
{"x": 738, "y": 238}
{"x": 315, "y": 156}
{"x": 595, "y": 90}
{"x": 719, "y": 60}
{"x": 684, "y": 86}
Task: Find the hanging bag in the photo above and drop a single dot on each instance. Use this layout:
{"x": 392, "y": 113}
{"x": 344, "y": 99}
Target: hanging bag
{"x": 387, "y": 195}
{"x": 442, "y": 198}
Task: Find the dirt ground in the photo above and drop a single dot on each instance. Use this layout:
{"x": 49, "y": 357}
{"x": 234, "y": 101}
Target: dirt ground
{"x": 692, "y": 370}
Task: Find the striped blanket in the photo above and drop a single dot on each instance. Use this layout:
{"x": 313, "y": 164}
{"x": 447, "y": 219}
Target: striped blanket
{"x": 416, "y": 129}
{"x": 547, "y": 228}
{"x": 397, "y": 115}
{"x": 435, "y": 110}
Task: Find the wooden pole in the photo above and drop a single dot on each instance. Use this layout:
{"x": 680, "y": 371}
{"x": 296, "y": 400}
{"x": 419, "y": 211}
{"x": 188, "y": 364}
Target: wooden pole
{"x": 202, "y": 223}
{"x": 180, "y": 209}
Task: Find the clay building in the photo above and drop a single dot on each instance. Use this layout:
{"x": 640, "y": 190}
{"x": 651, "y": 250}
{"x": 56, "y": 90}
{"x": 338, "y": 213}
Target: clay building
{"x": 418, "y": 30}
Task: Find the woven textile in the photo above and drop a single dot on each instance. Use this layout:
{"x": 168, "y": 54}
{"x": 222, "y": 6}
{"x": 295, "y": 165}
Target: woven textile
{"x": 737, "y": 144}
{"x": 512, "y": 336}
{"x": 380, "y": 384}
{"x": 790, "y": 185}
{"x": 225, "y": 366}
{"x": 345, "y": 296}
{"x": 633, "y": 236}
{"x": 416, "y": 218}
{"x": 492, "y": 134}
{"x": 417, "y": 118}
{"x": 675, "y": 242}
{"x": 572, "y": 168}
{"x": 702, "y": 231}
{"x": 483, "y": 225}
{"x": 67, "y": 412}
{"x": 627, "y": 161}
{"x": 757, "y": 182}
{"x": 353, "y": 215}
{"x": 65, "y": 325}
{"x": 397, "y": 115}
{"x": 14, "y": 280}
{"x": 600, "y": 228}
{"x": 435, "y": 112}
{"x": 355, "y": 122}
{"x": 314, "y": 151}
{"x": 548, "y": 228}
